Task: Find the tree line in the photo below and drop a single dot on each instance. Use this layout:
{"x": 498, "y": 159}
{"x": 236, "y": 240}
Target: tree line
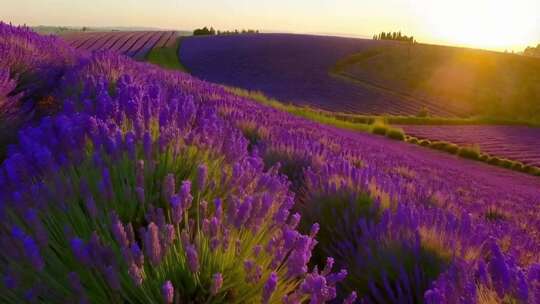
{"x": 532, "y": 51}
{"x": 396, "y": 36}
{"x": 211, "y": 31}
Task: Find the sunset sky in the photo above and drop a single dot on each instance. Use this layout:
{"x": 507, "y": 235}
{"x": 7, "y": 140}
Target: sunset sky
{"x": 492, "y": 24}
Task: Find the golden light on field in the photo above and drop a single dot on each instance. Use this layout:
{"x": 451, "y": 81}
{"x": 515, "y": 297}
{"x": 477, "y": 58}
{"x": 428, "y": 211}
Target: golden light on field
{"x": 491, "y": 24}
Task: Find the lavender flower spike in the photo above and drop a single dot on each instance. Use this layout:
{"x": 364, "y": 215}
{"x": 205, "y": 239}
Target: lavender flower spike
{"x": 217, "y": 283}
{"x": 269, "y": 287}
{"x": 167, "y": 291}
{"x": 192, "y": 258}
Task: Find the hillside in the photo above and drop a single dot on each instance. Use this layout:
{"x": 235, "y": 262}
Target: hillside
{"x": 477, "y": 82}
{"x": 370, "y": 77}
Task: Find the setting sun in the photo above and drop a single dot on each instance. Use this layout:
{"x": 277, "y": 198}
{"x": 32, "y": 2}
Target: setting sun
{"x": 483, "y": 23}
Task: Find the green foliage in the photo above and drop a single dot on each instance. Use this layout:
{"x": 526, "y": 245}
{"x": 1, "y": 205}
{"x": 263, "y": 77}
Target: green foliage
{"x": 483, "y": 157}
{"x": 290, "y": 165}
{"x": 493, "y": 160}
{"x": 423, "y": 112}
{"x": 518, "y": 166}
{"x": 532, "y": 51}
{"x": 395, "y": 36}
{"x": 424, "y": 143}
{"x": 505, "y": 163}
{"x": 379, "y": 129}
{"x": 166, "y": 57}
{"x": 305, "y": 112}
{"x": 236, "y": 32}
{"x": 470, "y": 152}
{"x": 465, "y": 82}
{"x": 335, "y": 212}
{"x": 205, "y": 31}
{"x": 494, "y": 215}
{"x": 396, "y": 134}
{"x": 412, "y": 140}
{"x": 81, "y": 183}
{"x": 444, "y": 146}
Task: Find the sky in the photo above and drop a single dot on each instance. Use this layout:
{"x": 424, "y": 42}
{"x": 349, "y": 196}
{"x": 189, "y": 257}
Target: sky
{"x": 491, "y": 24}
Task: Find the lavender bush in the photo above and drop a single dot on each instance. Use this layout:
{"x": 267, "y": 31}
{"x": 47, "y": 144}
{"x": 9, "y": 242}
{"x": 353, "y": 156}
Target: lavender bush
{"x": 30, "y": 69}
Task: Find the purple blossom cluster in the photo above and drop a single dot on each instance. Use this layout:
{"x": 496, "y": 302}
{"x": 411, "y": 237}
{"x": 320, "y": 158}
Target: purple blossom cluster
{"x": 30, "y": 70}
{"x": 153, "y": 186}
{"x": 406, "y": 223}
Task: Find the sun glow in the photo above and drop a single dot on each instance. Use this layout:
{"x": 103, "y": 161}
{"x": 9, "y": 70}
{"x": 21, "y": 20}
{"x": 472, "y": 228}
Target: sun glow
{"x": 493, "y": 24}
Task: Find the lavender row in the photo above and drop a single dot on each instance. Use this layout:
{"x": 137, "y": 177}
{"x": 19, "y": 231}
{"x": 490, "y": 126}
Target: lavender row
{"x": 132, "y": 44}
{"x": 513, "y": 142}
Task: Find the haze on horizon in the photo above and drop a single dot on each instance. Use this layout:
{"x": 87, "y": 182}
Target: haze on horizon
{"x": 491, "y": 24}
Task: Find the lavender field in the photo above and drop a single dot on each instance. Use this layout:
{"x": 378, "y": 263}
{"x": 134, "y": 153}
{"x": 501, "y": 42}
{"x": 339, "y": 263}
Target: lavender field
{"x": 512, "y": 142}
{"x": 133, "y": 44}
{"x": 144, "y": 185}
{"x": 294, "y": 68}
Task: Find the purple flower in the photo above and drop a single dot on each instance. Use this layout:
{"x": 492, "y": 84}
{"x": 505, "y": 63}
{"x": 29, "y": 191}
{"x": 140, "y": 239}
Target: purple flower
{"x": 314, "y": 230}
{"x": 169, "y": 234}
{"x": 217, "y": 283}
{"x": 202, "y": 176}
{"x": 118, "y": 231}
{"x": 91, "y": 207}
{"x": 295, "y": 220}
{"x": 177, "y": 210}
{"x": 152, "y": 245}
{"x": 168, "y": 186}
{"x": 136, "y": 253}
{"x": 40, "y": 232}
{"x": 135, "y": 273}
{"x": 192, "y": 258}
{"x": 75, "y": 283}
{"x": 167, "y": 292}
{"x": 105, "y": 184}
{"x": 80, "y": 251}
{"x": 318, "y": 288}
{"x": 147, "y": 145}
{"x": 269, "y": 287}
{"x": 351, "y": 298}
{"x": 31, "y": 250}
{"x": 185, "y": 194}
{"x": 111, "y": 276}
{"x": 328, "y": 267}
{"x": 243, "y": 212}
{"x": 131, "y": 145}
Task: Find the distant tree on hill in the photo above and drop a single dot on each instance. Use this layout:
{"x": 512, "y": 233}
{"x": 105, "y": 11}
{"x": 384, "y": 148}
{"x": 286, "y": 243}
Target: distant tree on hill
{"x": 532, "y": 51}
{"x": 396, "y": 36}
{"x": 204, "y": 31}
{"x": 211, "y": 31}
